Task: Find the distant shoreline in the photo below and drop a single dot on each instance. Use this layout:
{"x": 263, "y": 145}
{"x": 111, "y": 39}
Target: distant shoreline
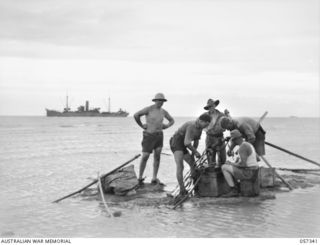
{"x": 289, "y": 117}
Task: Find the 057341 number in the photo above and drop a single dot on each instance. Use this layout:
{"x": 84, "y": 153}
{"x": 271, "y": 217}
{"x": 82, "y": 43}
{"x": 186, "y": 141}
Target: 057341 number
{"x": 308, "y": 240}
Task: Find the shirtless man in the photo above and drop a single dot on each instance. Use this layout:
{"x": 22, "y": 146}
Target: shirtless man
{"x": 152, "y": 134}
{"x": 186, "y": 139}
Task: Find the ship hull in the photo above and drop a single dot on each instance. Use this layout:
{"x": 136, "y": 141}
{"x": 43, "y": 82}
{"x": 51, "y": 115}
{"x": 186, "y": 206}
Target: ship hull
{"x": 53, "y": 113}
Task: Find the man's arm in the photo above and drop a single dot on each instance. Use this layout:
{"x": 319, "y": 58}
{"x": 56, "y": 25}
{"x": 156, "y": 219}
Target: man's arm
{"x": 169, "y": 118}
{"x": 196, "y": 144}
{"x": 249, "y": 134}
{"x": 188, "y": 140}
{"x": 244, "y": 152}
{"x": 231, "y": 147}
{"x": 139, "y": 114}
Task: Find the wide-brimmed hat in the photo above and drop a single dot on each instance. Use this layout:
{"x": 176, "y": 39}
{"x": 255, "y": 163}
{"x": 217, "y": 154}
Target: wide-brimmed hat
{"x": 235, "y": 134}
{"x": 211, "y": 103}
{"x": 159, "y": 96}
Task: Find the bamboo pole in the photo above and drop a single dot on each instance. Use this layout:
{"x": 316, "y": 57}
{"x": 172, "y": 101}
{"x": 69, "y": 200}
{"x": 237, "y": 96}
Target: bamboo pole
{"x": 186, "y": 196}
{"x": 95, "y": 181}
{"x": 102, "y": 196}
{"x": 299, "y": 169}
{"x": 278, "y": 175}
{"x": 293, "y": 154}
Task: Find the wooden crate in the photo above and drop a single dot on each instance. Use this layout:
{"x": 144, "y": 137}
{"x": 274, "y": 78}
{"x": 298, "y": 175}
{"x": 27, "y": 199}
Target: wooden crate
{"x": 251, "y": 187}
{"x": 267, "y": 177}
{"x": 212, "y": 183}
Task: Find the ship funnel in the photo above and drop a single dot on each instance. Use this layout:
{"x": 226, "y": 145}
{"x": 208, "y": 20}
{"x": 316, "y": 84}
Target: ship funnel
{"x": 87, "y": 105}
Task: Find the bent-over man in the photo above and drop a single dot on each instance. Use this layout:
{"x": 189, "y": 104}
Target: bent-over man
{"x": 152, "y": 135}
{"x": 250, "y": 129}
{"x": 242, "y": 168}
{"x": 184, "y": 139}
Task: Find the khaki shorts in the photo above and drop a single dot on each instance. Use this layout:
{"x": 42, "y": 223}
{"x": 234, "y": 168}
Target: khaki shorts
{"x": 177, "y": 144}
{"x": 244, "y": 173}
{"x": 151, "y": 141}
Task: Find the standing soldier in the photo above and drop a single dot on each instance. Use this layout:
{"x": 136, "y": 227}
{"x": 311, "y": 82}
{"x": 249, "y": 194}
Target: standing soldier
{"x": 152, "y": 135}
{"x": 214, "y": 140}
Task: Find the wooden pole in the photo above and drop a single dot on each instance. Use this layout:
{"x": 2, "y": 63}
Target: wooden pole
{"x": 95, "y": 181}
{"x": 278, "y": 175}
{"x": 262, "y": 117}
{"x": 293, "y": 154}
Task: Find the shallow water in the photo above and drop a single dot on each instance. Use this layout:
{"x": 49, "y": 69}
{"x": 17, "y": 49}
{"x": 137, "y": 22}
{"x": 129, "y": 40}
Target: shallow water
{"x": 42, "y": 159}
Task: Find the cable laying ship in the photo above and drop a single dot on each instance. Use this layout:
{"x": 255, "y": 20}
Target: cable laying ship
{"x": 84, "y": 111}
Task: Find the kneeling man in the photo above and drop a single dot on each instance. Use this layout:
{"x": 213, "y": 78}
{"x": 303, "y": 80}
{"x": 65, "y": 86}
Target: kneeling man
{"x": 239, "y": 169}
{"x": 181, "y": 142}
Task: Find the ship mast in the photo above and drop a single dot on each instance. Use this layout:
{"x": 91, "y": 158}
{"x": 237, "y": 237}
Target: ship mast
{"x": 66, "y": 109}
{"x": 109, "y": 104}
{"x": 67, "y": 106}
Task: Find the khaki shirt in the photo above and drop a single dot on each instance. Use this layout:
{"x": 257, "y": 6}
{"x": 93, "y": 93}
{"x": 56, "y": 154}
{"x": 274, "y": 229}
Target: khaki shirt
{"x": 248, "y": 127}
{"x": 215, "y": 126}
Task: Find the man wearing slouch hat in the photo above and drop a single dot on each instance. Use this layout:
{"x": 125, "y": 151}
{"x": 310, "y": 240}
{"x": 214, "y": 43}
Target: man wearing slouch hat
{"x": 215, "y": 140}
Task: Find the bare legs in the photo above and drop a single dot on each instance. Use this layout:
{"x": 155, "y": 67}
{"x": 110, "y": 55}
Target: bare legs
{"x": 227, "y": 171}
{"x": 143, "y": 163}
{"x": 179, "y": 156}
{"x": 156, "y": 163}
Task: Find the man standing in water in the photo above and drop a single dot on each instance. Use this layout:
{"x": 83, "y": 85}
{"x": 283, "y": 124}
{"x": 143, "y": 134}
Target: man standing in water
{"x": 215, "y": 140}
{"x": 152, "y": 135}
{"x": 186, "y": 139}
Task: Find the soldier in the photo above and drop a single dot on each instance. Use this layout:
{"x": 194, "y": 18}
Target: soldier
{"x": 250, "y": 129}
{"x": 153, "y": 135}
{"x": 242, "y": 168}
{"x": 215, "y": 140}
{"x": 184, "y": 139}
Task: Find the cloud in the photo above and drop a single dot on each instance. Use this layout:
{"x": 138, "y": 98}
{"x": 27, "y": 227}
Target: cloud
{"x": 244, "y": 52}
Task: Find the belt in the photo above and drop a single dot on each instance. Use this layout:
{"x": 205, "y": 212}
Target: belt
{"x": 154, "y": 133}
{"x": 215, "y": 135}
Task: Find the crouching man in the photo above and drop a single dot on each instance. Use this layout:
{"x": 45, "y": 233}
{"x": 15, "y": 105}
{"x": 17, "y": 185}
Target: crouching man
{"x": 181, "y": 142}
{"x": 241, "y": 168}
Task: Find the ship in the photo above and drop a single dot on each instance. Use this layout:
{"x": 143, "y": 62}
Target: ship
{"x": 85, "y": 111}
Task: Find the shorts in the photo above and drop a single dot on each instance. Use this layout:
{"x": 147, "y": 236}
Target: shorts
{"x": 151, "y": 141}
{"x": 244, "y": 173}
{"x": 177, "y": 144}
{"x": 214, "y": 140}
{"x": 259, "y": 144}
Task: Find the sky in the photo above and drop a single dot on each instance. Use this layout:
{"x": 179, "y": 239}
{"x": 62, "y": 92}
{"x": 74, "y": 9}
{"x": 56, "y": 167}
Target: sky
{"x": 252, "y": 55}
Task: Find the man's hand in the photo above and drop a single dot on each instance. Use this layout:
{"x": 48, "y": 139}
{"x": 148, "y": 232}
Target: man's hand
{"x": 164, "y": 126}
{"x": 230, "y": 153}
{"x": 197, "y": 154}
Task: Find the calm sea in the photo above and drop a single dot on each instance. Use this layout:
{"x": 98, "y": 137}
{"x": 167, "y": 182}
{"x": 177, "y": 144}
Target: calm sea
{"x": 42, "y": 159}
